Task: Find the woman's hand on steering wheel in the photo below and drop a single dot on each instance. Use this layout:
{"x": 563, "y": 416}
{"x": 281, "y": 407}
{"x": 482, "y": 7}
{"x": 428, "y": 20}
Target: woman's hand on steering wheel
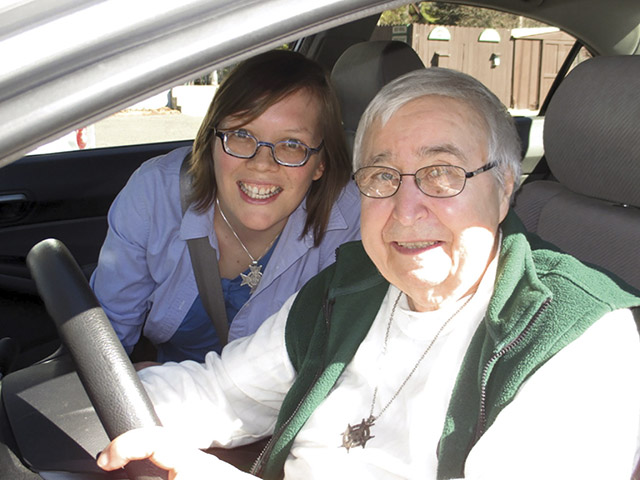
{"x": 164, "y": 450}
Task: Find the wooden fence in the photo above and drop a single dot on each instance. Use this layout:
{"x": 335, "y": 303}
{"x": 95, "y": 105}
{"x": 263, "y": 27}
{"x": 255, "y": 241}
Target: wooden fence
{"x": 518, "y": 66}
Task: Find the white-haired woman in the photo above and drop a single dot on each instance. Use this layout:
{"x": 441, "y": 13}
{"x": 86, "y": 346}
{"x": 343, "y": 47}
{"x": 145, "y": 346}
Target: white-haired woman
{"x": 448, "y": 343}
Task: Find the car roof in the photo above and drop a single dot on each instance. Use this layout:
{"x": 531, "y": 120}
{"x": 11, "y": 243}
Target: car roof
{"x": 68, "y": 63}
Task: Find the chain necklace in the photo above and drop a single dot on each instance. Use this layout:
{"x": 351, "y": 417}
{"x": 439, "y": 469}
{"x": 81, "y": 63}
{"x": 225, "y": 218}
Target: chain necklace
{"x": 358, "y": 435}
{"x": 252, "y": 279}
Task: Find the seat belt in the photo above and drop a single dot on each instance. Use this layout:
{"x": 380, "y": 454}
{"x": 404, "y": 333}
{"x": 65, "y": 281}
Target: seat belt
{"x": 205, "y": 266}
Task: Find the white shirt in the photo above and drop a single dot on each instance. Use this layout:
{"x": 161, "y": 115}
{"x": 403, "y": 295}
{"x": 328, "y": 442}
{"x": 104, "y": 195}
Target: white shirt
{"x": 578, "y": 416}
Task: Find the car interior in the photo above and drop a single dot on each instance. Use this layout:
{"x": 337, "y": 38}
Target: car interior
{"x": 73, "y": 208}
{"x": 582, "y": 197}
{"x": 362, "y": 70}
{"x": 590, "y": 204}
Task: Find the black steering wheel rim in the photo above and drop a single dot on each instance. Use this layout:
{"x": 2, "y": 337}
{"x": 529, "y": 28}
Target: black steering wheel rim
{"x": 102, "y": 364}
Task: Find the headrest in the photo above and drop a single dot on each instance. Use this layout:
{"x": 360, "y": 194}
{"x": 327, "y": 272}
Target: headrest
{"x": 592, "y": 130}
{"x": 362, "y": 70}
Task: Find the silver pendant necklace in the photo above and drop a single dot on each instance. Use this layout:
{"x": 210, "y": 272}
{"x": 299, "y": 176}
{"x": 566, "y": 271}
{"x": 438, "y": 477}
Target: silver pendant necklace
{"x": 252, "y": 279}
{"x": 358, "y": 435}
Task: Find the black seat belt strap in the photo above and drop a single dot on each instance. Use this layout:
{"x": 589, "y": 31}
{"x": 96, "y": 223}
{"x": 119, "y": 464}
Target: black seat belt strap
{"x": 205, "y": 266}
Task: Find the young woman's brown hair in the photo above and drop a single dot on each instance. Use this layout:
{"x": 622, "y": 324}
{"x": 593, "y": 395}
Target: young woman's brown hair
{"x": 255, "y": 85}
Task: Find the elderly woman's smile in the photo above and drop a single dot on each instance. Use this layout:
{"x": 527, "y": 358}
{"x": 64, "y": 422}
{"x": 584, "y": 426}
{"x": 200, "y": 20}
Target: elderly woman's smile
{"x": 412, "y": 246}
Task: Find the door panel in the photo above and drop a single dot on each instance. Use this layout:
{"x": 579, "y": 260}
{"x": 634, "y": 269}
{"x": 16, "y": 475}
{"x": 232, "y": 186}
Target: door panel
{"x": 66, "y": 196}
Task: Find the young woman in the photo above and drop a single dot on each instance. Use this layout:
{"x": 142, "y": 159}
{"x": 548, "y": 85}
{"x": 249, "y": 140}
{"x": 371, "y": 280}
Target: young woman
{"x": 269, "y": 188}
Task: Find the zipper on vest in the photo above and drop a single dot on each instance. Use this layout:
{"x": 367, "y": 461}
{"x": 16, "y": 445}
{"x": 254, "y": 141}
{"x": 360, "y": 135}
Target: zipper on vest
{"x": 482, "y": 419}
{"x": 327, "y": 311}
{"x": 258, "y": 466}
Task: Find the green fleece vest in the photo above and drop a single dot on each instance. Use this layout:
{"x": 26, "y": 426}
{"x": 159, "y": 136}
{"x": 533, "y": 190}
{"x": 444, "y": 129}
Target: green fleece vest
{"x": 543, "y": 300}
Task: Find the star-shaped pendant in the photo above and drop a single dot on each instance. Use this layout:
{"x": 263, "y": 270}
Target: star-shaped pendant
{"x": 358, "y": 435}
{"x": 253, "y": 277}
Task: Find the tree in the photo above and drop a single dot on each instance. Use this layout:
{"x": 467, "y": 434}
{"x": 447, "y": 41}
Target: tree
{"x": 440, "y": 13}
{"x": 410, "y": 13}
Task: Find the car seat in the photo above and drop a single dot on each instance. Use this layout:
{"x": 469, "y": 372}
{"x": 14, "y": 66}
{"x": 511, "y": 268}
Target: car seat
{"x": 592, "y": 146}
{"x": 591, "y": 208}
{"x": 362, "y": 70}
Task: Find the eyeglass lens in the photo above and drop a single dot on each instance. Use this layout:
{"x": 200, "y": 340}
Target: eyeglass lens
{"x": 435, "y": 181}
{"x": 245, "y": 145}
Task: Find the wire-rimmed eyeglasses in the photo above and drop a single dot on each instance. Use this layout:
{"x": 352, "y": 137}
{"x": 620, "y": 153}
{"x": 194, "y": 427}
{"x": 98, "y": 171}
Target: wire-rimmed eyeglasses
{"x": 289, "y": 153}
{"x": 440, "y": 181}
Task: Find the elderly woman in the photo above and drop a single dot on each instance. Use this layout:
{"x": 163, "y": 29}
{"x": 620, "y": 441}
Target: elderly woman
{"x": 449, "y": 343}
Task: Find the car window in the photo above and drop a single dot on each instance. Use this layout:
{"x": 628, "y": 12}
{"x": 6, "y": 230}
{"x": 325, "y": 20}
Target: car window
{"x": 171, "y": 115}
{"x": 516, "y": 57}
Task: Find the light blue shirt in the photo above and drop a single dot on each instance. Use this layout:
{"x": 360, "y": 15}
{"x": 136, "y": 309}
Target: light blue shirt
{"x": 196, "y": 336}
{"x": 144, "y": 276}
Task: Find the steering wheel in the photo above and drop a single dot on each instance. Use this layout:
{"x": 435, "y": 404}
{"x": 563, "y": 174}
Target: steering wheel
{"x": 103, "y": 366}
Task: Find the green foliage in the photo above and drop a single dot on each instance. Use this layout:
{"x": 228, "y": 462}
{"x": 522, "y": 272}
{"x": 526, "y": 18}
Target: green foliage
{"x": 416, "y": 12}
{"x": 441, "y": 13}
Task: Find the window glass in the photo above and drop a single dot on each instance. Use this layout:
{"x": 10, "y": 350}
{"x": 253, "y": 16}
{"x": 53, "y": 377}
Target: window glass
{"x": 516, "y": 57}
{"x": 172, "y": 115}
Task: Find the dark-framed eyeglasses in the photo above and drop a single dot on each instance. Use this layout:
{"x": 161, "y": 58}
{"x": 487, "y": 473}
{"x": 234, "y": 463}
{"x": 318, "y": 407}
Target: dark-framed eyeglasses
{"x": 440, "y": 181}
{"x": 289, "y": 153}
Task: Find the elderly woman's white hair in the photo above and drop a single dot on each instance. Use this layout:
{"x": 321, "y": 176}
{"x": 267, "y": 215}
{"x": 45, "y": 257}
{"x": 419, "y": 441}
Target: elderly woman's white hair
{"x": 504, "y": 146}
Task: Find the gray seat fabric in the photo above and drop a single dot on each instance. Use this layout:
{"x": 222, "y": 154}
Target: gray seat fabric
{"x": 362, "y": 70}
{"x": 592, "y": 146}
